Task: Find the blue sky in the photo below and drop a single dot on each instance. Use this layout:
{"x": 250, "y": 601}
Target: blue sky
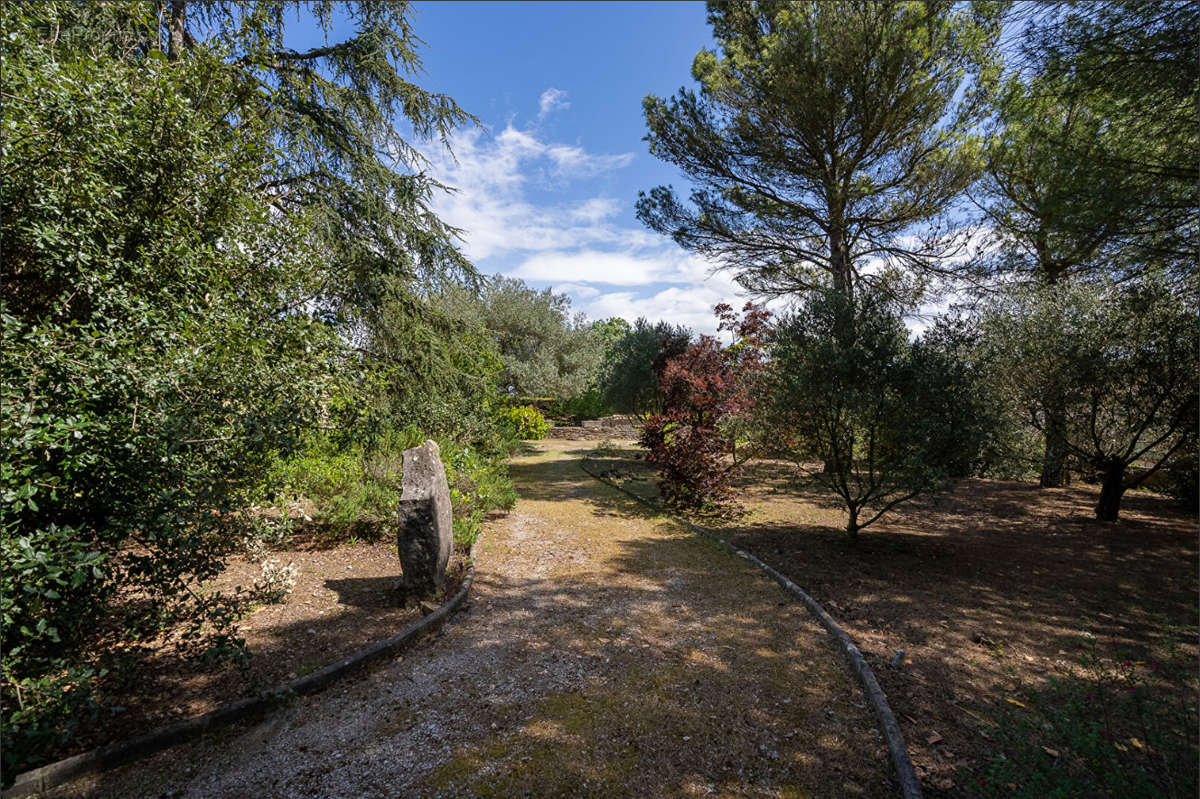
{"x": 546, "y": 189}
{"x": 546, "y": 186}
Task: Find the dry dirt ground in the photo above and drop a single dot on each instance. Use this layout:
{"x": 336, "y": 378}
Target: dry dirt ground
{"x": 606, "y": 652}
{"x": 990, "y": 589}
{"x": 345, "y": 598}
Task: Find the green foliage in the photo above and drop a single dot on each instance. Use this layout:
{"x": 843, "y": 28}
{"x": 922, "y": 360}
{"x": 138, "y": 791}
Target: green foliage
{"x": 825, "y": 136}
{"x": 1052, "y": 194}
{"x": 1183, "y": 480}
{"x": 1123, "y": 358}
{"x": 478, "y": 479}
{"x": 354, "y": 487}
{"x": 341, "y": 161}
{"x": 423, "y": 370}
{"x": 588, "y": 405}
{"x": 191, "y": 236}
{"x": 885, "y": 417}
{"x": 1111, "y": 727}
{"x": 147, "y": 366}
{"x": 467, "y": 530}
{"x": 1090, "y": 168}
{"x": 629, "y": 379}
{"x": 993, "y": 440}
{"x": 528, "y": 422}
{"x": 544, "y": 349}
{"x": 1101, "y": 135}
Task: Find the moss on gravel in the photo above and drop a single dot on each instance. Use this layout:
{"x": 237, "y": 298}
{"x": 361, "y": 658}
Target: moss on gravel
{"x": 710, "y": 681}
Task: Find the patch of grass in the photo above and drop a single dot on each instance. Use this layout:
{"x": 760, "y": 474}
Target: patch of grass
{"x": 1111, "y": 726}
{"x": 467, "y": 530}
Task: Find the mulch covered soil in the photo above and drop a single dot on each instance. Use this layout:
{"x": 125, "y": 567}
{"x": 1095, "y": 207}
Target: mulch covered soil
{"x": 989, "y": 589}
{"x": 346, "y": 597}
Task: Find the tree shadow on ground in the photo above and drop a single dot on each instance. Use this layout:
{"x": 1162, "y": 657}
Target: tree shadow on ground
{"x": 662, "y": 667}
{"x": 660, "y": 686}
{"x": 988, "y": 589}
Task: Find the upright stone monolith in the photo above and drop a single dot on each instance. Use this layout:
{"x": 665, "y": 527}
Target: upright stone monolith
{"x": 425, "y": 534}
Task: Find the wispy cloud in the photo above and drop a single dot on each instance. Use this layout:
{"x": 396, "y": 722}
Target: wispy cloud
{"x": 551, "y": 100}
{"x": 525, "y": 209}
{"x": 492, "y": 176}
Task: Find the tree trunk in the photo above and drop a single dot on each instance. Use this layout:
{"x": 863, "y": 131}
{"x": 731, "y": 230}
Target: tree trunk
{"x": 178, "y": 25}
{"x": 843, "y": 330}
{"x": 852, "y": 527}
{"x": 1054, "y": 460}
{"x": 1111, "y": 492}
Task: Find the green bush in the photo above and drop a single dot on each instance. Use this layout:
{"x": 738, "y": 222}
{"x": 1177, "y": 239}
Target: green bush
{"x": 146, "y": 369}
{"x": 467, "y": 530}
{"x": 478, "y": 480}
{"x": 528, "y": 422}
{"x": 1183, "y": 480}
{"x": 588, "y": 405}
{"x": 356, "y": 487}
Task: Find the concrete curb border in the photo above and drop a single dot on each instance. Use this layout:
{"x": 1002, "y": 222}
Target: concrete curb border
{"x": 906, "y": 775}
{"x": 108, "y": 756}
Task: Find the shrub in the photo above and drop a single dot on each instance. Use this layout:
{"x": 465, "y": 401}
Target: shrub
{"x": 588, "y": 405}
{"x": 478, "y": 481}
{"x": 146, "y": 367}
{"x": 634, "y": 362}
{"x": 888, "y": 420}
{"x": 528, "y": 422}
{"x": 693, "y": 475}
{"x": 467, "y": 529}
{"x": 1183, "y": 480}
{"x": 706, "y": 393}
{"x": 275, "y": 582}
{"x": 354, "y": 487}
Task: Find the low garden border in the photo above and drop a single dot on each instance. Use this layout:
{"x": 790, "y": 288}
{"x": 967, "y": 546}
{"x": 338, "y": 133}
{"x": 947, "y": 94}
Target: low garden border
{"x": 108, "y": 756}
{"x": 906, "y": 775}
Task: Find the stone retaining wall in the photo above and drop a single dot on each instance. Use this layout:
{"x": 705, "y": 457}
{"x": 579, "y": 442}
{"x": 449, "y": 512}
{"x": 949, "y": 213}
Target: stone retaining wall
{"x": 618, "y": 427}
{"x": 594, "y": 433}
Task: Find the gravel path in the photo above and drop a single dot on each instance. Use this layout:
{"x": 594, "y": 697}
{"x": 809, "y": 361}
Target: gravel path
{"x": 606, "y": 652}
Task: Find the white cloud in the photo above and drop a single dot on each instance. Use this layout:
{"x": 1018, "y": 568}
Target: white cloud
{"x": 690, "y": 305}
{"x": 576, "y": 243}
{"x": 595, "y": 210}
{"x": 595, "y": 266}
{"x": 577, "y": 289}
{"x": 551, "y": 100}
{"x": 491, "y": 177}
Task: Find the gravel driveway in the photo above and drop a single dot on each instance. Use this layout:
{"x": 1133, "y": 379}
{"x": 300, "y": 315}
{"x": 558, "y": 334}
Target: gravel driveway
{"x": 605, "y": 652}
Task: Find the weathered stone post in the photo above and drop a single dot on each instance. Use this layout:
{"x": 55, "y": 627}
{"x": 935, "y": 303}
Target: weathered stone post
{"x": 425, "y": 534}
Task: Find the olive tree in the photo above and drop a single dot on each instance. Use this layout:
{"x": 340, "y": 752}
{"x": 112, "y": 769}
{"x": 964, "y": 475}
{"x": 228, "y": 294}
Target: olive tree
{"x": 1125, "y": 354}
{"x": 890, "y": 419}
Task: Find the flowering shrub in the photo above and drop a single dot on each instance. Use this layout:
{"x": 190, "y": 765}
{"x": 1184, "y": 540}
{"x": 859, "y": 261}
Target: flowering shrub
{"x": 275, "y": 582}
{"x": 707, "y": 397}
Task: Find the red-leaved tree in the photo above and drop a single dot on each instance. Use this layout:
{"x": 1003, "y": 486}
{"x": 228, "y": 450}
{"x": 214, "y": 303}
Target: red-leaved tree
{"x": 701, "y": 439}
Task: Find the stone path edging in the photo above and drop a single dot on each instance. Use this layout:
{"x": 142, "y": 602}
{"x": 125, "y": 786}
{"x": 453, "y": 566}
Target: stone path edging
{"x": 105, "y": 757}
{"x": 906, "y": 775}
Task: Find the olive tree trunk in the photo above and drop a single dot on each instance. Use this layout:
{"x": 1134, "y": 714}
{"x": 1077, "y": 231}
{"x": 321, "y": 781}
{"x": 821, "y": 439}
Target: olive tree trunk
{"x": 1111, "y": 491}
